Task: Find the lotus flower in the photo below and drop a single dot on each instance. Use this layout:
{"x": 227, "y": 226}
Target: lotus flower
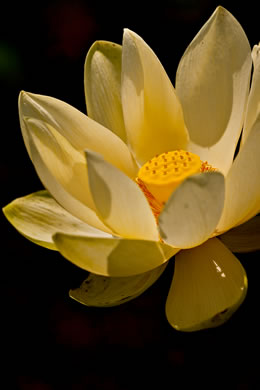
{"x": 150, "y": 173}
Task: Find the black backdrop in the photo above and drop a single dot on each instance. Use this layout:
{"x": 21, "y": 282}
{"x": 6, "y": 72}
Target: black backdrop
{"x": 47, "y": 340}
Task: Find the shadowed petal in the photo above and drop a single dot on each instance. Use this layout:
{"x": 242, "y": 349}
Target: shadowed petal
{"x": 242, "y": 200}
{"x": 212, "y": 83}
{"x": 208, "y": 286}
{"x": 102, "y": 291}
{"x": 243, "y": 238}
{"x": 102, "y": 79}
{"x": 191, "y": 214}
{"x": 113, "y": 256}
{"x": 253, "y": 106}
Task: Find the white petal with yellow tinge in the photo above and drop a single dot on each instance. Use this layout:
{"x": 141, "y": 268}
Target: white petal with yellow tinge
{"x": 113, "y": 256}
{"x": 242, "y": 200}
{"x": 152, "y": 112}
{"x": 59, "y": 192}
{"x": 192, "y": 212}
{"x": 253, "y": 105}
{"x": 212, "y": 83}
{"x": 81, "y": 131}
{"x": 119, "y": 201}
{"x": 102, "y": 80}
{"x": 38, "y": 216}
{"x": 67, "y": 165}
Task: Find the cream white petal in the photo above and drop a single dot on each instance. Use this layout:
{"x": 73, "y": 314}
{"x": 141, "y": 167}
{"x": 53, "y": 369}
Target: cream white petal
{"x": 152, "y": 112}
{"x": 115, "y": 257}
{"x": 212, "y": 83}
{"x": 243, "y": 184}
{"x": 38, "y": 216}
{"x": 243, "y": 238}
{"x": 208, "y": 286}
{"x": 192, "y": 212}
{"x": 102, "y": 291}
{"x": 81, "y": 131}
{"x": 60, "y": 194}
{"x": 119, "y": 201}
{"x": 253, "y": 107}
{"x": 102, "y": 80}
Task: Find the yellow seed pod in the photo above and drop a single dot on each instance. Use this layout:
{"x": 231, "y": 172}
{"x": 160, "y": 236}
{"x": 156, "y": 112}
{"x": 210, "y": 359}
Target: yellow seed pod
{"x": 165, "y": 172}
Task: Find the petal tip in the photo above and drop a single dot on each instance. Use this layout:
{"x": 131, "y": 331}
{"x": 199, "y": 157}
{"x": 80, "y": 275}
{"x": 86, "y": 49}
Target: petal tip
{"x": 130, "y": 35}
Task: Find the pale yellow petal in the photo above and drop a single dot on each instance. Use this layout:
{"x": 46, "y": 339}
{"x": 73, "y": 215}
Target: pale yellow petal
{"x": 119, "y": 201}
{"x": 208, "y": 286}
{"x": 243, "y": 238}
{"x": 212, "y": 83}
{"x": 102, "y": 291}
{"x": 38, "y": 216}
{"x": 253, "y": 106}
{"x": 81, "y": 131}
{"x": 243, "y": 184}
{"x": 62, "y": 196}
{"x": 102, "y": 79}
{"x": 66, "y": 164}
{"x": 152, "y": 112}
{"x": 191, "y": 214}
{"x": 113, "y": 256}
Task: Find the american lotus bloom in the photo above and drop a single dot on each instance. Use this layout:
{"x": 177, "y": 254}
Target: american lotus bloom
{"x": 150, "y": 173}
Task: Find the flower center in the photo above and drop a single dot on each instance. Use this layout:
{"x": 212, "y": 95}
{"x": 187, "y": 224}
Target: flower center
{"x": 161, "y": 175}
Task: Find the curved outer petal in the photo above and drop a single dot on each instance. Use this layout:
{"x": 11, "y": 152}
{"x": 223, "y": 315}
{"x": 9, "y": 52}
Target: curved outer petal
{"x": 242, "y": 200}
{"x": 102, "y": 291}
{"x": 212, "y": 83}
{"x": 119, "y": 201}
{"x": 191, "y": 214}
{"x": 38, "y": 216}
{"x": 62, "y": 196}
{"x": 102, "y": 80}
{"x": 253, "y": 107}
{"x": 66, "y": 164}
{"x": 80, "y": 131}
{"x": 208, "y": 286}
{"x": 113, "y": 256}
{"x": 152, "y": 112}
{"x": 244, "y": 238}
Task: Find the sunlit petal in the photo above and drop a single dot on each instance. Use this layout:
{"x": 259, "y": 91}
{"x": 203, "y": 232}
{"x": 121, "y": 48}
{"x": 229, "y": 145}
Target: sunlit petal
{"x": 38, "y": 216}
{"x": 65, "y": 163}
{"x": 191, "y": 214}
{"x": 209, "y": 284}
{"x": 60, "y": 194}
{"x": 113, "y": 256}
{"x": 243, "y": 238}
{"x": 119, "y": 201}
{"x": 102, "y": 291}
{"x": 81, "y": 131}
{"x": 102, "y": 79}
{"x": 243, "y": 184}
{"x": 212, "y": 83}
{"x": 152, "y": 112}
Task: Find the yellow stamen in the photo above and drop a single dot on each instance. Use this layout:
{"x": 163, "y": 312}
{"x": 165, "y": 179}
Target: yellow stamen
{"x": 161, "y": 175}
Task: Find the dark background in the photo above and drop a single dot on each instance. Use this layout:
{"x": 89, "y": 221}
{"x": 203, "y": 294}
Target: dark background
{"x": 47, "y": 340}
